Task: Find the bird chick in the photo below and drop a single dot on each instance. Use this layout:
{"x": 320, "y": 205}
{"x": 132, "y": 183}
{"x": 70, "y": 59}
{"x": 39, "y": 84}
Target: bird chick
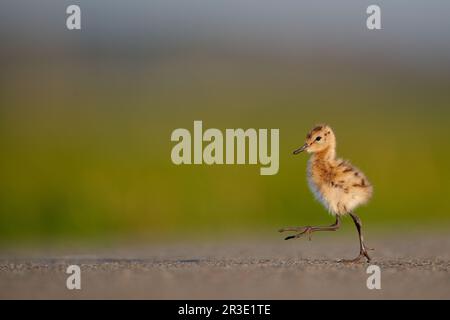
{"x": 336, "y": 183}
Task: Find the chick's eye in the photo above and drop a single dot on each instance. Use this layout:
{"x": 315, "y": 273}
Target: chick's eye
{"x": 318, "y": 138}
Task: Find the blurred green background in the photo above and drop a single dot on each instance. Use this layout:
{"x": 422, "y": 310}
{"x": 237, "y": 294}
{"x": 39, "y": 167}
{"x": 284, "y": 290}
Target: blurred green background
{"x": 86, "y": 116}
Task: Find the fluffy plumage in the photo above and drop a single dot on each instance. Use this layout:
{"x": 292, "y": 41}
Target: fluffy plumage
{"x": 336, "y": 183}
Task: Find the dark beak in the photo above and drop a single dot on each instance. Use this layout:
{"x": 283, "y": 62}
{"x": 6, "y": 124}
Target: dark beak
{"x": 302, "y": 148}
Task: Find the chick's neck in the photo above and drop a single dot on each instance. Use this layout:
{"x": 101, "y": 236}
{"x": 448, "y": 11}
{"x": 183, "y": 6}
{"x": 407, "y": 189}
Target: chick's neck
{"x": 327, "y": 155}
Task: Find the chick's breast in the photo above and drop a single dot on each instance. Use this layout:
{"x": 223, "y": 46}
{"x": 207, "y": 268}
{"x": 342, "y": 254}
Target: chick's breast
{"x": 339, "y": 186}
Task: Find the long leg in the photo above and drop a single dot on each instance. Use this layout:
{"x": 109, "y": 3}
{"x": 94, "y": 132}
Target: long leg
{"x": 309, "y": 229}
{"x": 362, "y": 248}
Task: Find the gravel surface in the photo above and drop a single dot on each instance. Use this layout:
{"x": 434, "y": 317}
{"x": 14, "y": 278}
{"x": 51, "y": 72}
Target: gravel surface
{"x": 412, "y": 267}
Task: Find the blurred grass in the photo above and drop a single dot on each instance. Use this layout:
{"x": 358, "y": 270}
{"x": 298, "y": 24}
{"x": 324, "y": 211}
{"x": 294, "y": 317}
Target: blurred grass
{"x": 86, "y": 146}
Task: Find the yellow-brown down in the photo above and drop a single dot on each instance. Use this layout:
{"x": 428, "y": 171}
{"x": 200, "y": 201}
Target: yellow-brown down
{"x": 336, "y": 183}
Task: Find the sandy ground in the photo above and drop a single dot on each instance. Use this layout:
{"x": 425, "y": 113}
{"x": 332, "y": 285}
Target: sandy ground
{"x": 412, "y": 267}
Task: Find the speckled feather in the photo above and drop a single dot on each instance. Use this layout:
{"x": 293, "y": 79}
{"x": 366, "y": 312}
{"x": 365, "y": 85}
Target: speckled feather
{"x": 336, "y": 183}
